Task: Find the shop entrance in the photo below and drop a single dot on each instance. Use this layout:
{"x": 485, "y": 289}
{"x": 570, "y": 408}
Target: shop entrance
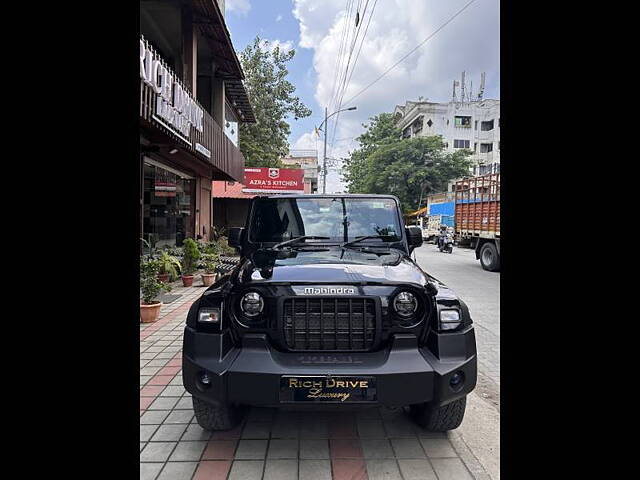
{"x": 168, "y": 206}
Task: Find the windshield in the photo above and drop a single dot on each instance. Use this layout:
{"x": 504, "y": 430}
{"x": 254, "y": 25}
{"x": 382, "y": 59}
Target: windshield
{"x": 339, "y": 218}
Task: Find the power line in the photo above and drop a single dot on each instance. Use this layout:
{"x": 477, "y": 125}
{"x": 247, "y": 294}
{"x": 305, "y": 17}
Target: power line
{"x": 342, "y": 76}
{"x": 339, "y": 57}
{"x": 342, "y": 55}
{"x": 347, "y": 73}
{"x": 412, "y": 51}
{"x": 355, "y": 62}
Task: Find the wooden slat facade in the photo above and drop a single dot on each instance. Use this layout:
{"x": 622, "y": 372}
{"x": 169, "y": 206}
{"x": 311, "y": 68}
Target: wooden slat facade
{"x": 225, "y": 156}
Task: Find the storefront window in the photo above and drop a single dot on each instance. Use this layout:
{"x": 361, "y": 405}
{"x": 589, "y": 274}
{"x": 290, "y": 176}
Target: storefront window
{"x": 168, "y": 214}
{"x": 231, "y": 124}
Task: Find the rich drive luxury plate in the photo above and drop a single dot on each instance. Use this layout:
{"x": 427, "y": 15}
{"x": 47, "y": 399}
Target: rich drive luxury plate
{"x": 340, "y": 389}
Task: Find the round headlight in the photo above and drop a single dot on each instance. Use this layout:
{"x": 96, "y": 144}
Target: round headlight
{"x": 405, "y": 304}
{"x": 252, "y": 304}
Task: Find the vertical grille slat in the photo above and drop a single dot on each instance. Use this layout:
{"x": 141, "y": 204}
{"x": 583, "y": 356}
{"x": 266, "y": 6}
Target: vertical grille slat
{"x": 365, "y": 330}
{"x": 330, "y": 324}
{"x": 293, "y": 312}
{"x": 321, "y": 324}
{"x": 350, "y": 325}
{"x": 306, "y": 344}
{"x": 335, "y": 324}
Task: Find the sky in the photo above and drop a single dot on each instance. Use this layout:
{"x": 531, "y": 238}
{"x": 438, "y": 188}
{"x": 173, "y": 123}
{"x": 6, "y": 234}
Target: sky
{"x": 316, "y": 30}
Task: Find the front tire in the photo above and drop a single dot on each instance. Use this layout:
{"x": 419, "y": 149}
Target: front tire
{"x": 489, "y": 258}
{"x": 213, "y": 417}
{"x": 440, "y": 419}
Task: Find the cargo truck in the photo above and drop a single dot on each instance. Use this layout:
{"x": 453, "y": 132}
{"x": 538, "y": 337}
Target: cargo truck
{"x": 477, "y": 217}
{"x": 431, "y": 227}
{"x": 439, "y": 212}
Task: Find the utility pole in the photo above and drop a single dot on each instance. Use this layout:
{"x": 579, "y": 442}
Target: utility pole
{"x": 324, "y": 155}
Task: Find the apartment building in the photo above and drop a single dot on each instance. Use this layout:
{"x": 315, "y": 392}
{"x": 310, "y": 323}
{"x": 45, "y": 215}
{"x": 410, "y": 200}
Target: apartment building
{"x": 474, "y": 125}
{"x": 308, "y": 161}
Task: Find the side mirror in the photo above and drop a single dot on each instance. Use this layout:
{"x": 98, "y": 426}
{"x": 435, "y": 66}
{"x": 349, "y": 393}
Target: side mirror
{"x": 414, "y": 237}
{"x": 235, "y": 237}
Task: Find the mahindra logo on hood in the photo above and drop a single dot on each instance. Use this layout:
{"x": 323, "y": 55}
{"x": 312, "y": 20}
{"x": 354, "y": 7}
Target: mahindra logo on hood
{"x": 325, "y": 290}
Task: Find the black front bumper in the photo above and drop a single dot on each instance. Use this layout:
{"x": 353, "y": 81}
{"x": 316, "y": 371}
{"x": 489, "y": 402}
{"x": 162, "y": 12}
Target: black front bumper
{"x": 405, "y": 373}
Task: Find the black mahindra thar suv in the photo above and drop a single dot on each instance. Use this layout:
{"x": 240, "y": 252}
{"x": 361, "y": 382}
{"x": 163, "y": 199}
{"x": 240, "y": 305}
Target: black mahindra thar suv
{"x": 326, "y": 306}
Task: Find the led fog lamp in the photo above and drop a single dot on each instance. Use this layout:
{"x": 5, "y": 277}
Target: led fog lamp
{"x": 252, "y": 304}
{"x": 457, "y": 381}
{"x": 209, "y": 315}
{"x": 449, "y": 319}
{"x": 405, "y": 304}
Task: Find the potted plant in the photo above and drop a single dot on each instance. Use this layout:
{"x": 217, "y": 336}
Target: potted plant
{"x": 169, "y": 267}
{"x": 210, "y": 262}
{"x": 224, "y": 248}
{"x": 150, "y": 288}
{"x": 190, "y": 257}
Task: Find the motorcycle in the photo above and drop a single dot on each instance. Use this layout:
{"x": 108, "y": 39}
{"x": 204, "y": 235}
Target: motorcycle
{"x": 445, "y": 243}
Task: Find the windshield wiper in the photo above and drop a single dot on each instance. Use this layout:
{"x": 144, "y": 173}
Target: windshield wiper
{"x": 298, "y": 239}
{"x": 385, "y": 238}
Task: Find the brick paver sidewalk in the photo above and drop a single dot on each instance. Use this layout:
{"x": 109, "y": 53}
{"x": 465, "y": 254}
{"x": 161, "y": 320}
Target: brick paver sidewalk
{"x": 275, "y": 444}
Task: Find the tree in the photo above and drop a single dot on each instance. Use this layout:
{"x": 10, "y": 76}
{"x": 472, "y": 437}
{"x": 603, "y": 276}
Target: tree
{"x": 380, "y": 131}
{"x": 272, "y": 97}
{"x": 408, "y": 168}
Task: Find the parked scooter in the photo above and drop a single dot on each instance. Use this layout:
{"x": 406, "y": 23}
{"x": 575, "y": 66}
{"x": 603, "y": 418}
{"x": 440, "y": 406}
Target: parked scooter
{"x": 445, "y": 240}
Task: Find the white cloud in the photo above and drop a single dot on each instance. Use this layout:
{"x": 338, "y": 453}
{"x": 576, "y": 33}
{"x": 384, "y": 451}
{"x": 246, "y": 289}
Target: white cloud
{"x": 267, "y": 44}
{"x": 307, "y": 141}
{"x": 471, "y": 42}
{"x": 278, "y": 18}
{"x": 241, "y": 7}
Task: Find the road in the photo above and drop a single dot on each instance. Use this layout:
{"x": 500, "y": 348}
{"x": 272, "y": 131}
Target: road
{"x": 480, "y": 290}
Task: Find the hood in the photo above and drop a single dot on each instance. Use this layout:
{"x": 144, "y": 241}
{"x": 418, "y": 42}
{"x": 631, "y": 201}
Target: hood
{"x": 332, "y": 265}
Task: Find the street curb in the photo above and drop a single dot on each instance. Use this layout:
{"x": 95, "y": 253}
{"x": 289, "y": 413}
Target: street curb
{"x": 468, "y": 458}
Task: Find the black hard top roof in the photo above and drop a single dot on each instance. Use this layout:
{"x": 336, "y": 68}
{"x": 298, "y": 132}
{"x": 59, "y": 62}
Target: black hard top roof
{"x": 326, "y": 195}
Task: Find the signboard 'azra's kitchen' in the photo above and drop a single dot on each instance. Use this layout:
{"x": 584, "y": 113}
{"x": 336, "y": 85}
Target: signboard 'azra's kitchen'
{"x": 273, "y": 180}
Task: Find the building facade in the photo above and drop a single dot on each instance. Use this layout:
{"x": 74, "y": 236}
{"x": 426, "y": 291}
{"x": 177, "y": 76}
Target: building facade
{"x": 230, "y": 205}
{"x": 472, "y": 125}
{"x": 308, "y": 161}
{"x": 192, "y": 100}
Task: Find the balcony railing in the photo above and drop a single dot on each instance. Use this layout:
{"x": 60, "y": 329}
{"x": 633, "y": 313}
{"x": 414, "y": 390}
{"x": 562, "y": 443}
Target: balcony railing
{"x": 222, "y": 153}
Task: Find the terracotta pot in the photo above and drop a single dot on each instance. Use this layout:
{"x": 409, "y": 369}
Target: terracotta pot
{"x": 187, "y": 280}
{"x": 149, "y": 313}
{"x": 163, "y": 277}
{"x": 208, "y": 279}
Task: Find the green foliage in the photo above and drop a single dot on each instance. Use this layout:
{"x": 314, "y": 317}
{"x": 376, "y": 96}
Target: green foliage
{"x": 190, "y": 256}
{"x": 173, "y": 251}
{"x": 224, "y": 248}
{"x": 408, "y": 168}
{"x": 210, "y": 262}
{"x": 217, "y": 247}
{"x": 150, "y": 286}
{"x": 272, "y": 97}
{"x": 169, "y": 264}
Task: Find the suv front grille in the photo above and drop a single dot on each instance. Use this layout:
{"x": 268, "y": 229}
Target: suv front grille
{"x": 340, "y": 324}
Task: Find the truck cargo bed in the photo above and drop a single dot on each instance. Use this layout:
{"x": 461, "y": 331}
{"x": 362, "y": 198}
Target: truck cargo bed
{"x": 477, "y": 206}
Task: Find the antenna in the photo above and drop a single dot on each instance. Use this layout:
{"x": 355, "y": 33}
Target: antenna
{"x": 455, "y": 84}
{"x": 462, "y": 88}
{"x": 481, "y": 92}
{"x": 471, "y": 92}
